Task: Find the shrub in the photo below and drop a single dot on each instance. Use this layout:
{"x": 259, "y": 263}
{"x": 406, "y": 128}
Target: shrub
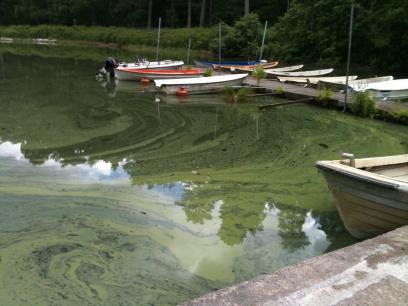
{"x": 259, "y": 74}
{"x": 400, "y": 115}
{"x": 363, "y": 104}
{"x": 208, "y": 72}
{"x": 280, "y": 90}
{"x": 232, "y": 97}
{"x": 324, "y": 96}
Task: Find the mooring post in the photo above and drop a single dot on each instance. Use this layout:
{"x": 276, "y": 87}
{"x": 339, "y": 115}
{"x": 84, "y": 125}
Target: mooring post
{"x": 349, "y": 56}
{"x": 158, "y": 41}
{"x": 263, "y": 41}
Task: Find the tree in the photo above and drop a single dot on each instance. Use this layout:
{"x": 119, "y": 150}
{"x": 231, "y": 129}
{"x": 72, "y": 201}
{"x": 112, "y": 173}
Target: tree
{"x": 202, "y": 15}
{"x": 188, "y": 13}
{"x": 149, "y": 15}
{"x": 246, "y": 7}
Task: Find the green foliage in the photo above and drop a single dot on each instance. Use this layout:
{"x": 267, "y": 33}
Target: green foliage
{"x": 401, "y": 115}
{"x": 318, "y": 30}
{"x": 280, "y": 90}
{"x": 208, "y": 72}
{"x": 174, "y": 38}
{"x": 324, "y": 96}
{"x": 259, "y": 73}
{"x": 363, "y": 104}
{"x": 240, "y": 40}
{"x": 233, "y": 96}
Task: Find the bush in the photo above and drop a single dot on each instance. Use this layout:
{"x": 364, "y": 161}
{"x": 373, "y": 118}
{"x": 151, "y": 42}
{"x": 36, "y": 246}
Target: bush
{"x": 363, "y": 104}
{"x": 401, "y": 115}
{"x": 208, "y": 72}
{"x": 280, "y": 90}
{"x": 232, "y": 97}
{"x": 259, "y": 74}
{"x": 325, "y": 96}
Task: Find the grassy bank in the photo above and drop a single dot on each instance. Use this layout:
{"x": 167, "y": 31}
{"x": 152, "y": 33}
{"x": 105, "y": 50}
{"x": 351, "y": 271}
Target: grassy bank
{"x": 170, "y": 38}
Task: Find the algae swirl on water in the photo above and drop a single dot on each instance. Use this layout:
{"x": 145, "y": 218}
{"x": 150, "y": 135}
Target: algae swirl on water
{"x": 108, "y": 197}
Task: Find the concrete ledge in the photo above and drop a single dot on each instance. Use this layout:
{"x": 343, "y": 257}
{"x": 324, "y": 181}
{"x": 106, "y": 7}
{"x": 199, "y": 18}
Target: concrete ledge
{"x": 372, "y": 272}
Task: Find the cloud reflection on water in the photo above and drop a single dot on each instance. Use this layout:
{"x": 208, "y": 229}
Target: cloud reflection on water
{"x": 99, "y": 170}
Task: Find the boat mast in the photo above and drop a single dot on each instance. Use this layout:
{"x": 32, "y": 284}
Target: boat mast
{"x": 188, "y": 50}
{"x": 219, "y": 46}
{"x": 263, "y": 41}
{"x": 158, "y": 41}
{"x": 349, "y": 55}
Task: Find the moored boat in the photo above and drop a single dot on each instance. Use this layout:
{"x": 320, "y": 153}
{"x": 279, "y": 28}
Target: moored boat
{"x": 131, "y": 74}
{"x": 392, "y": 90}
{"x": 199, "y": 85}
{"x": 356, "y": 85}
{"x": 309, "y": 73}
{"x": 252, "y": 68}
{"x": 209, "y": 64}
{"x": 371, "y": 193}
{"x": 167, "y": 64}
{"x": 316, "y": 80}
{"x": 244, "y": 69}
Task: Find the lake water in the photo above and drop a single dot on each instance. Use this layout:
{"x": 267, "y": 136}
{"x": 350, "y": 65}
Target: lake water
{"x": 109, "y": 196}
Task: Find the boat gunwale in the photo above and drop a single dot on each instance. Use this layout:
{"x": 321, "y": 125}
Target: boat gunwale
{"x": 355, "y": 173}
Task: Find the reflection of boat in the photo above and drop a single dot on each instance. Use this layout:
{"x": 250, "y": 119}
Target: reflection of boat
{"x": 209, "y": 64}
{"x": 309, "y": 73}
{"x": 199, "y": 100}
{"x": 395, "y": 89}
{"x": 356, "y": 85}
{"x": 132, "y": 87}
{"x": 316, "y": 80}
{"x": 200, "y": 85}
{"x": 167, "y": 64}
{"x": 371, "y": 193}
{"x": 129, "y": 74}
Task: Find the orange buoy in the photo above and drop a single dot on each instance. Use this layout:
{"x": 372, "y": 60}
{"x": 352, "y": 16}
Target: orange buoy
{"x": 145, "y": 81}
{"x": 182, "y": 92}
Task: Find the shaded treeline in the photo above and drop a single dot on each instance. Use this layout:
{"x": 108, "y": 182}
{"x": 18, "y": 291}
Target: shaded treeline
{"x": 304, "y": 31}
{"x": 135, "y": 13}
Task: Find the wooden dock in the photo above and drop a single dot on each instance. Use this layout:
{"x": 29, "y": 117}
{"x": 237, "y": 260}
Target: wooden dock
{"x": 296, "y": 92}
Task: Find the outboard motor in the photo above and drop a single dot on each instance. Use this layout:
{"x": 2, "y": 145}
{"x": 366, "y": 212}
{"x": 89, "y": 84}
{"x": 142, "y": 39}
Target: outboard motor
{"x": 110, "y": 65}
{"x": 108, "y": 69}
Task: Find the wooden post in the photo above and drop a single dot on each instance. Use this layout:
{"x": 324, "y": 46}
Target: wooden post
{"x": 188, "y": 50}
{"x": 349, "y": 55}
{"x": 158, "y": 41}
{"x": 219, "y": 46}
{"x": 263, "y": 41}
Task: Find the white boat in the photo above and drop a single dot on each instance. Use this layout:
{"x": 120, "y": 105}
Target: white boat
{"x": 356, "y": 85}
{"x": 199, "y": 85}
{"x": 371, "y": 193}
{"x": 395, "y": 89}
{"x": 309, "y": 73}
{"x": 167, "y": 64}
{"x": 316, "y": 80}
{"x": 286, "y": 69}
